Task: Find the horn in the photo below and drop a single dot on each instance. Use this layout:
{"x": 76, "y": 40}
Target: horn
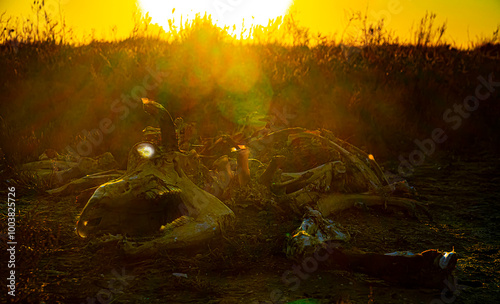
{"x": 167, "y": 127}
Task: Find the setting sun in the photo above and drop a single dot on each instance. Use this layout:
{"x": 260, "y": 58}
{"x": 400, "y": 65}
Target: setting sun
{"x": 224, "y": 12}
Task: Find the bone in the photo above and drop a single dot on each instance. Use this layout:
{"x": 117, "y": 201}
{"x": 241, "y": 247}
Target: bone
{"x": 315, "y": 231}
{"x": 277, "y": 136}
{"x": 408, "y": 270}
{"x": 221, "y": 175}
{"x": 366, "y": 171}
{"x": 360, "y": 153}
{"x": 302, "y": 179}
{"x": 86, "y": 182}
{"x": 186, "y": 232}
{"x": 152, "y": 193}
{"x": 167, "y": 127}
{"x": 190, "y": 233}
{"x": 243, "y": 171}
{"x": 267, "y": 177}
{"x": 369, "y": 172}
{"x": 293, "y": 185}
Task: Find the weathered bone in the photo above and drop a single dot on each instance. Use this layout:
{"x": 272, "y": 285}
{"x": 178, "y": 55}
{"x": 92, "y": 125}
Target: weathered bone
{"x": 302, "y": 179}
{"x": 168, "y": 135}
{"x": 243, "y": 170}
{"x": 156, "y": 180}
{"x": 430, "y": 269}
{"x": 267, "y": 177}
{"x": 360, "y": 153}
{"x": 375, "y": 181}
{"x": 159, "y": 187}
{"x": 155, "y": 192}
{"x": 86, "y": 182}
{"x": 62, "y": 169}
{"x": 314, "y": 232}
{"x": 366, "y": 172}
{"x": 292, "y": 185}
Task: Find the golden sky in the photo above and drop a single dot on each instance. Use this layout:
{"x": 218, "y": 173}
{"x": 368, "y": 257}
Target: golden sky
{"x": 466, "y": 19}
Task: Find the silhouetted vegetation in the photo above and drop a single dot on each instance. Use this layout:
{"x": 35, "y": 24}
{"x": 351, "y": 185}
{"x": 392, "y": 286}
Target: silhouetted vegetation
{"x": 375, "y": 91}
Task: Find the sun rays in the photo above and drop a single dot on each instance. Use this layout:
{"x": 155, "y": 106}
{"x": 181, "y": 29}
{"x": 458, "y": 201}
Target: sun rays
{"x": 230, "y": 13}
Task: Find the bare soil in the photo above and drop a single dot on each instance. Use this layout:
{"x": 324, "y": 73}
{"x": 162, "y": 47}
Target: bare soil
{"x": 247, "y": 264}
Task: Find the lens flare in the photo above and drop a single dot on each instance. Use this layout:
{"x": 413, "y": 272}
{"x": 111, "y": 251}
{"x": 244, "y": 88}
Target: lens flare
{"x": 146, "y": 150}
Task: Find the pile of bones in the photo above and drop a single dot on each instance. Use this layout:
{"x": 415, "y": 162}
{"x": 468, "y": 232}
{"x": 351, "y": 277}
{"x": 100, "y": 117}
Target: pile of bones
{"x": 169, "y": 194}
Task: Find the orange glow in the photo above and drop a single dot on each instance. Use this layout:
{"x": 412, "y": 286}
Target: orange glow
{"x": 466, "y": 20}
{"x": 223, "y": 12}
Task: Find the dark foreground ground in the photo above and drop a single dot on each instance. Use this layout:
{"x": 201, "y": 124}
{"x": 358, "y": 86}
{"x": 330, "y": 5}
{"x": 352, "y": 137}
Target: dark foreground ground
{"x": 247, "y": 265}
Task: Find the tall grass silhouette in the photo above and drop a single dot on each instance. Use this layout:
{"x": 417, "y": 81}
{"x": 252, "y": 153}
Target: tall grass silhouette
{"x": 377, "y": 91}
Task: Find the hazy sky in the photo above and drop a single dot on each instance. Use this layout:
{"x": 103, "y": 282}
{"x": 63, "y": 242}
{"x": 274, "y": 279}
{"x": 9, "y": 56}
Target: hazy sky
{"x": 466, "y": 19}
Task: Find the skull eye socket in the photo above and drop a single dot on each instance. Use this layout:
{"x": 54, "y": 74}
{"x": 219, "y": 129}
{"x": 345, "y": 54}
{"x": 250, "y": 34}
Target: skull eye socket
{"x": 146, "y": 150}
{"x": 93, "y": 222}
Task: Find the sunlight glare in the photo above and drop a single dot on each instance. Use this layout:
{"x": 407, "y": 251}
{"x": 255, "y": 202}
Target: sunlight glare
{"x": 146, "y": 150}
{"x": 224, "y": 12}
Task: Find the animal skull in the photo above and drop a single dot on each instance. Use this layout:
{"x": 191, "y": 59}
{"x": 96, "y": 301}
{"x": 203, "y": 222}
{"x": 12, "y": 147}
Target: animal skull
{"x": 154, "y": 192}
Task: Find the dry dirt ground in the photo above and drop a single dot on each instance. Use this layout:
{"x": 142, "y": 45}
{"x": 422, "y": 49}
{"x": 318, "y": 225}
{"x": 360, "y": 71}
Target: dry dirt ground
{"x": 247, "y": 264}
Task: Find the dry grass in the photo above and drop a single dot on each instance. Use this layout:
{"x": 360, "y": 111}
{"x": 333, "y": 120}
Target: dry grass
{"x": 362, "y": 89}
